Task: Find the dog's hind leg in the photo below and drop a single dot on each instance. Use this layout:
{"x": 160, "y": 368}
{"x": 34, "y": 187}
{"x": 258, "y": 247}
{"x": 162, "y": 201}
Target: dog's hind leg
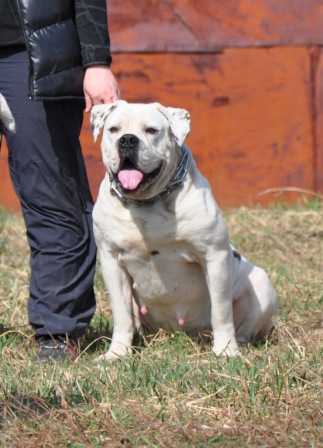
{"x": 255, "y": 307}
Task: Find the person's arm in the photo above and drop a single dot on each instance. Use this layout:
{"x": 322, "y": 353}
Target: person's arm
{"x": 92, "y": 27}
{"x": 100, "y": 86}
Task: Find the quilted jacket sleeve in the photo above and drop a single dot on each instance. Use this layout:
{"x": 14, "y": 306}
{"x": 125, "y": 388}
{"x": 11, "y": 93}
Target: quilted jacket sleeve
{"x": 92, "y": 27}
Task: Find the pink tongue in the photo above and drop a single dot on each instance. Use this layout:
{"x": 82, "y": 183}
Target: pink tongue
{"x": 130, "y": 179}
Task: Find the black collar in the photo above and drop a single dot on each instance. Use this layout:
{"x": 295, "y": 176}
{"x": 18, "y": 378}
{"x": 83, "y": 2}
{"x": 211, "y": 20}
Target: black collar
{"x": 180, "y": 174}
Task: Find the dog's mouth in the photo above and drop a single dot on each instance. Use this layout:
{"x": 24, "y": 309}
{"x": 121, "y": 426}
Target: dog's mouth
{"x": 130, "y": 178}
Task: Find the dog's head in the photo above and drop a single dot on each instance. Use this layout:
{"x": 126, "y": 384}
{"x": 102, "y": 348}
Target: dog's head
{"x": 141, "y": 144}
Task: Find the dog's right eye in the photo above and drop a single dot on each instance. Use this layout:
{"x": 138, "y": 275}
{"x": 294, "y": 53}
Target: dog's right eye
{"x": 113, "y": 129}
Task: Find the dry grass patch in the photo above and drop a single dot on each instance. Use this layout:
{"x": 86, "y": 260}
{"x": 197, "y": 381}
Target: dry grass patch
{"x": 173, "y": 392}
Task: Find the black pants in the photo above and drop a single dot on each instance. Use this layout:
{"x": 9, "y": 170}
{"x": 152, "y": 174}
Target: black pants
{"x": 48, "y": 173}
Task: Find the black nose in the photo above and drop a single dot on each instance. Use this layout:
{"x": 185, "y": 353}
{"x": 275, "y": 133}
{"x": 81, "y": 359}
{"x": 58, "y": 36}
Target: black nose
{"x": 128, "y": 147}
{"x": 128, "y": 141}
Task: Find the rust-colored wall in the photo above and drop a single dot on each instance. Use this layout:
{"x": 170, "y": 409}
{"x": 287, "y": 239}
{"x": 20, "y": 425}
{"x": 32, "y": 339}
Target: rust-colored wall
{"x": 207, "y": 25}
{"x": 251, "y": 74}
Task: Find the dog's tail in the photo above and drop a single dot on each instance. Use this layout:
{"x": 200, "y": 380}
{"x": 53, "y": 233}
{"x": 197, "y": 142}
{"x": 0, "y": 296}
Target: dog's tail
{"x": 6, "y": 117}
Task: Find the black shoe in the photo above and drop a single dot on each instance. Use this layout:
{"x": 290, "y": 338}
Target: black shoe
{"x": 54, "y": 348}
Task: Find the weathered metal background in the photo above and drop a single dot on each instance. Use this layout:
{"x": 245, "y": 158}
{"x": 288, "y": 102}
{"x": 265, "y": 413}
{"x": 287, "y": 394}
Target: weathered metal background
{"x": 207, "y": 25}
{"x": 251, "y": 74}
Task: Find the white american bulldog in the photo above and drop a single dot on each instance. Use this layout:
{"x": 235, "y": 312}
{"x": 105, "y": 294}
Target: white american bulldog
{"x": 6, "y": 117}
{"x": 162, "y": 242}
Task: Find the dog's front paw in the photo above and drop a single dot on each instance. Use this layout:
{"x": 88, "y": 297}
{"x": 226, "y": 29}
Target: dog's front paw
{"x": 113, "y": 354}
{"x": 108, "y": 357}
{"x": 227, "y": 348}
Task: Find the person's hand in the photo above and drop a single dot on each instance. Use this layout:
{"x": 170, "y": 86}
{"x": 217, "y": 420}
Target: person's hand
{"x": 100, "y": 86}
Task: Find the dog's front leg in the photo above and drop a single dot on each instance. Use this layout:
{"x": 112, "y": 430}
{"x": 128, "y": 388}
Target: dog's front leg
{"x": 119, "y": 288}
{"x": 219, "y": 281}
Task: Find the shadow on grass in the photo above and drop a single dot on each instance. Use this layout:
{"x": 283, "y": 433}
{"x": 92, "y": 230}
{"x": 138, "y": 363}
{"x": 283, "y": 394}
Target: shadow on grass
{"x": 98, "y": 338}
{"x": 99, "y": 335}
{"x": 9, "y": 337}
{"x": 21, "y": 406}
{"x": 4, "y": 329}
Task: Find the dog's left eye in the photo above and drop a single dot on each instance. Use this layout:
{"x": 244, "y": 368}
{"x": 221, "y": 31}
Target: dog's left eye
{"x": 151, "y": 131}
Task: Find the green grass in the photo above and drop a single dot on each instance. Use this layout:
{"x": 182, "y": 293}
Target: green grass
{"x": 173, "y": 392}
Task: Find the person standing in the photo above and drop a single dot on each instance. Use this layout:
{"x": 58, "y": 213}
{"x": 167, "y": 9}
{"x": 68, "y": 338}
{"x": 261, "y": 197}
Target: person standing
{"x": 54, "y": 60}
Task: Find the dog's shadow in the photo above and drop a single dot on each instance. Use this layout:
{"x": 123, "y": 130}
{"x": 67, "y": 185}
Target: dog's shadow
{"x": 97, "y": 337}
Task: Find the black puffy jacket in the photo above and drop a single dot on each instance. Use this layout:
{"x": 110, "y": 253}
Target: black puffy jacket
{"x": 62, "y": 37}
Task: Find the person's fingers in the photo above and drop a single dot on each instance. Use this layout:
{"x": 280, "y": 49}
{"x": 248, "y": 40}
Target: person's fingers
{"x": 88, "y": 103}
{"x": 112, "y": 93}
{"x": 109, "y": 97}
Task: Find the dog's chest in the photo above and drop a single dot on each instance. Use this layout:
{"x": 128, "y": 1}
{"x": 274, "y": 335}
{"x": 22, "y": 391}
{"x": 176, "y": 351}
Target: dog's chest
{"x": 139, "y": 232}
{"x": 166, "y": 277}
{"x": 158, "y": 266}
{"x": 170, "y": 283}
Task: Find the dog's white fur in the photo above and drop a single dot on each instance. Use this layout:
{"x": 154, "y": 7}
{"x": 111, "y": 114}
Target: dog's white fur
{"x": 5, "y": 115}
{"x": 171, "y": 258}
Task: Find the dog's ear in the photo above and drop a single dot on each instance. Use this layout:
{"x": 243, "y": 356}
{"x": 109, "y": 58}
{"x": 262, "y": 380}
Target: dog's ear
{"x": 179, "y": 121}
{"x": 6, "y": 116}
{"x": 99, "y": 114}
